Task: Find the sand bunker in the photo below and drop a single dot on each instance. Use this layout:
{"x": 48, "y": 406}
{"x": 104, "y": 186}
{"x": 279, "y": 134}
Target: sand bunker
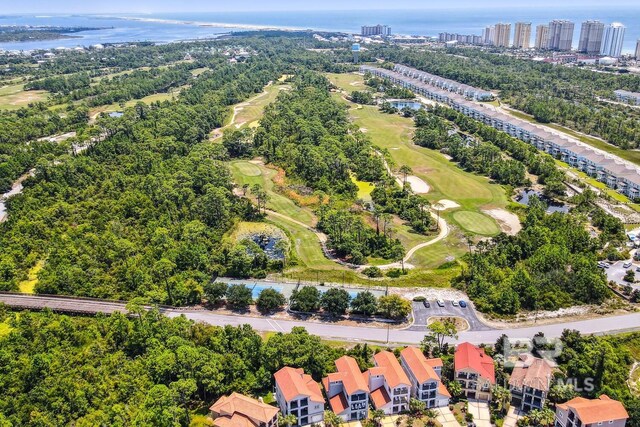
{"x": 417, "y": 185}
{"x": 509, "y": 222}
{"x": 445, "y": 204}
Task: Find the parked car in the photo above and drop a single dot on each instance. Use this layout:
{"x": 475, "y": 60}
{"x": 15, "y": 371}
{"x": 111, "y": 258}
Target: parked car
{"x": 427, "y": 304}
{"x": 637, "y": 268}
{"x": 454, "y": 303}
{"x": 440, "y": 303}
{"x": 627, "y": 264}
{"x": 463, "y": 304}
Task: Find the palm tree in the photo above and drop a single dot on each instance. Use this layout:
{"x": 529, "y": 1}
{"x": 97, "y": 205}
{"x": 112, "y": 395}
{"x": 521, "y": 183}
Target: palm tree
{"x": 431, "y": 416}
{"x": 541, "y": 417}
{"x": 331, "y": 419}
{"x": 377, "y": 415}
{"x": 405, "y": 171}
{"x": 502, "y": 397}
{"x": 287, "y": 420}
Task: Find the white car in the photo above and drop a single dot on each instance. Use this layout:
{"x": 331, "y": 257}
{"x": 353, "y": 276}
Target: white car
{"x": 454, "y": 303}
{"x": 440, "y": 303}
{"x": 627, "y": 264}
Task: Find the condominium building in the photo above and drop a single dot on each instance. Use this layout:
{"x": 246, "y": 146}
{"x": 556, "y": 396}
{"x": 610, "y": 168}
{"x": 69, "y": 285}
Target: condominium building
{"x": 475, "y": 371}
{"x": 522, "y": 35}
{"x": 424, "y": 375}
{"x": 488, "y": 35}
{"x": 612, "y": 40}
{"x": 239, "y": 410}
{"x": 347, "y": 390}
{"x": 581, "y": 412}
{"x": 390, "y": 387}
{"x": 502, "y": 35}
{"x": 638, "y": 50}
{"x": 530, "y": 382}
{"x": 375, "y": 30}
{"x": 614, "y": 172}
{"x": 591, "y": 34}
{"x": 299, "y": 395}
{"x": 542, "y": 37}
{"x": 560, "y": 34}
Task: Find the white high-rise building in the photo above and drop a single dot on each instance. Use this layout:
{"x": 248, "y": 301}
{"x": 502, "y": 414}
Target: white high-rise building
{"x": 638, "y": 50}
{"x": 560, "y": 34}
{"x": 542, "y": 37}
{"x": 612, "y": 40}
{"x": 522, "y": 35}
{"x": 591, "y": 37}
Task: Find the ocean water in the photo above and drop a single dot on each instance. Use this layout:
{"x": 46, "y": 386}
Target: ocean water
{"x": 187, "y": 26}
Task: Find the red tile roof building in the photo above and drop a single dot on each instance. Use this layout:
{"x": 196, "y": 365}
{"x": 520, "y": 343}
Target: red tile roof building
{"x": 347, "y": 390}
{"x": 530, "y": 382}
{"x": 475, "y": 371}
{"x": 424, "y": 375}
{"x": 581, "y": 412}
{"x": 390, "y": 387}
{"x": 299, "y": 395}
{"x": 238, "y": 410}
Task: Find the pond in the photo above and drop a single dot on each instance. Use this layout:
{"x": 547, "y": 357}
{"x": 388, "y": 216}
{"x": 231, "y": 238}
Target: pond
{"x": 552, "y": 206}
{"x": 400, "y": 104}
{"x": 269, "y": 244}
{"x": 116, "y": 114}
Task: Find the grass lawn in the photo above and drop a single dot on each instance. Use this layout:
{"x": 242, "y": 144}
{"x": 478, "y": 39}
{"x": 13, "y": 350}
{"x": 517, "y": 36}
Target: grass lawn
{"x": 14, "y": 96}
{"x": 630, "y": 155}
{"x": 245, "y": 172}
{"x": 476, "y": 223}
{"x": 28, "y": 286}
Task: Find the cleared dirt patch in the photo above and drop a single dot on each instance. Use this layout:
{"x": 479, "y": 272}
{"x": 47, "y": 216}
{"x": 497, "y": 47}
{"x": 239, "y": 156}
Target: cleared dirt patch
{"x": 509, "y": 222}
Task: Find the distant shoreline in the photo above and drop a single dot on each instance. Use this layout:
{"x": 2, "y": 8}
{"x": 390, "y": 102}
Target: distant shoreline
{"x": 210, "y": 24}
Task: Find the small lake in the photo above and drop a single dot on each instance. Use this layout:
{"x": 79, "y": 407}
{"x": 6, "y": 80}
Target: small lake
{"x": 116, "y": 114}
{"x": 399, "y": 104}
{"x": 268, "y": 244}
{"x": 552, "y": 206}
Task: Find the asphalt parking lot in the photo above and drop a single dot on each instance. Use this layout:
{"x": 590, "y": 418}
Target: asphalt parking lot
{"x": 421, "y": 314}
{"x": 617, "y": 271}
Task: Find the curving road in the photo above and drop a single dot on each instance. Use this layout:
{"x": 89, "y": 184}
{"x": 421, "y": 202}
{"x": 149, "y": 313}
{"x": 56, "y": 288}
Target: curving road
{"x": 602, "y": 325}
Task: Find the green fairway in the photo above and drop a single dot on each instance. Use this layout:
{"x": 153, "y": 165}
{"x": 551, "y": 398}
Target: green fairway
{"x": 262, "y": 175}
{"x": 347, "y": 82}
{"x": 14, "y": 96}
{"x": 250, "y": 112}
{"x": 476, "y": 223}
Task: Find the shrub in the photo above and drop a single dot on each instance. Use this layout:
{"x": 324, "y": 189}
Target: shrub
{"x": 372, "y": 272}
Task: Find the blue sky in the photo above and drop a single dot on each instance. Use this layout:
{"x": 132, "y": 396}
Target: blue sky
{"x": 158, "y": 6}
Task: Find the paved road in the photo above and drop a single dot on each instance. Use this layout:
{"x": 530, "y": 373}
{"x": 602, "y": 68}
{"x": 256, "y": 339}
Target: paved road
{"x": 327, "y": 330}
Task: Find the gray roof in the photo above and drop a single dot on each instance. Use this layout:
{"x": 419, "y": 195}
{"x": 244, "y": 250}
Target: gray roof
{"x": 617, "y": 167}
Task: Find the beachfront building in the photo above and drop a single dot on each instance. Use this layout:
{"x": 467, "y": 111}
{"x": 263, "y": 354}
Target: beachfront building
{"x": 614, "y": 172}
{"x": 390, "y": 387}
{"x": 612, "y": 40}
{"x": 474, "y": 370}
{"x": 424, "y": 375}
{"x": 627, "y": 97}
{"x": 530, "y": 382}
{"x": 591, "y": 34}
{"x": 522, "y": 35}
{"x": 299, "y": 395}
{"x": 347, "y": 390}
{"x": 581, "y": 412}
{"x": 375, "y": 30}
{"x": 560, "y": 35}
{"x": 542, "y": 37}
{"x": 239, "y": 410}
